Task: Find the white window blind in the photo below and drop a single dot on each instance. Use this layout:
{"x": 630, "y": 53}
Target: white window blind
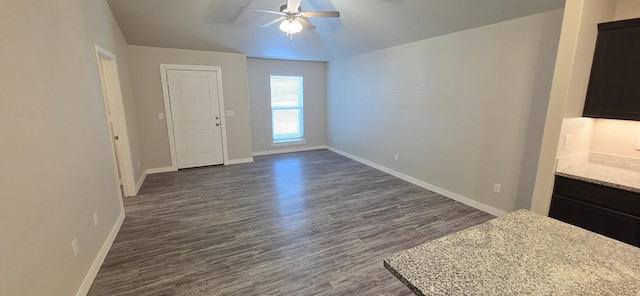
{"x": 287, "y": 111}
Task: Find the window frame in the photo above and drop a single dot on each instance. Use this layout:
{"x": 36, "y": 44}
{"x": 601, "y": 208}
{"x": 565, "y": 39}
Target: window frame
{"x": 299, "y": 106}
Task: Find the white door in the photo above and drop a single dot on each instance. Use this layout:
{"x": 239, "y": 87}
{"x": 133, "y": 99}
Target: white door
{"x": 116, "y": 120}
{"x": 112, "y": 130}
{"x": 196, "y": 117}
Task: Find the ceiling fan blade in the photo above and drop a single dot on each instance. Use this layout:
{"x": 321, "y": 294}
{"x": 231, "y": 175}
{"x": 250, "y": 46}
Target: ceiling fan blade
{"x": 306, "y": 24}
{"x": 293, "y": 5}
{"x": 321, "y": 14}
{"x": 265, "y": 11}
{"x": 273, "y": 22}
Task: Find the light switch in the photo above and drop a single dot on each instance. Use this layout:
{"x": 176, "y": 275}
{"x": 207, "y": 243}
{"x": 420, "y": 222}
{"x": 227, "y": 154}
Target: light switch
{"x": 497, "y": 187}
{"x": 567, "y": 141}
{"x": 75, "y": 247}
{"x": 160, "y": 115}
{"x": 230, "y": 113}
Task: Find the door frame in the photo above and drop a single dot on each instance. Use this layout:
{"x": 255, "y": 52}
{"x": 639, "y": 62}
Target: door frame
{"x": 167, "y": 107}
{"x": 112, "y": 96}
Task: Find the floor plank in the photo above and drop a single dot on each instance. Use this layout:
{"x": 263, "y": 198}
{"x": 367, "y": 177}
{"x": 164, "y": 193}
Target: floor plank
{"x": 308, "y": 223}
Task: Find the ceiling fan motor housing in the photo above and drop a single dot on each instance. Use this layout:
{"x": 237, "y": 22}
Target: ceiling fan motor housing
{"x": 284, "y": 7}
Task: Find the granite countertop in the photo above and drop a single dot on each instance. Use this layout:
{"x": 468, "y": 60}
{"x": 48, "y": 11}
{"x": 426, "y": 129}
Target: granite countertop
{"x": 604, "y": 175}
{"x": 520, "y": 253}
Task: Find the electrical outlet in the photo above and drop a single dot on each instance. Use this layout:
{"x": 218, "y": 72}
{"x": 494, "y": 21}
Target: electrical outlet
{"x": 497, "y": 187}
{"x": 138, "y": 163}
{"x": 160, "y": 115}
{"x": 75, "y": 247}
{"x": 395, "y": 156}
{"x": 95, "y": 219}
{"x": 567, "y": 141}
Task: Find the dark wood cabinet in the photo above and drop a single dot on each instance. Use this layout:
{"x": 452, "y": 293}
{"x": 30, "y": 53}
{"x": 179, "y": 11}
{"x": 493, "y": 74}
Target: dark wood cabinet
{"x": 605, "y": 210}
{"x": 614, "y": 90}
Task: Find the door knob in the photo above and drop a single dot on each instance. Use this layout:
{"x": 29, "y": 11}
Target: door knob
{"x": 217, "y": 124}
{"x": 217, "y": 117}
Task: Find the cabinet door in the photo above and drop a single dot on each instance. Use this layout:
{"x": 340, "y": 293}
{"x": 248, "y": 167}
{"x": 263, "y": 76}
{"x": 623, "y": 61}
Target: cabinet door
{"x": 614, "y": 91}
{"x": 616, "y": 225}
{"x": 607, "y": 197}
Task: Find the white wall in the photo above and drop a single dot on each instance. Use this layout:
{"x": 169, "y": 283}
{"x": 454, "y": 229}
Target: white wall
{"x": 627, "y": 9}
{"x": 315, "y": 96}
{"x": 144, "y": 63}
{"x": 616, "y": 137}
{"x": 581, "y": 131}
{"x": 463, "y": 111}
{"x": 57, "y": 166}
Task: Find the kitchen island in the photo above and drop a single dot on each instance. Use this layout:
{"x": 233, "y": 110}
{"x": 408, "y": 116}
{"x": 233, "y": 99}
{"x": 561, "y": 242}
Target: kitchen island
{"x": 522, "y": 253}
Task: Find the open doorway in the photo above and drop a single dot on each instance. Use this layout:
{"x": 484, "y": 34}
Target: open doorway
{"x": 116, "y": 121}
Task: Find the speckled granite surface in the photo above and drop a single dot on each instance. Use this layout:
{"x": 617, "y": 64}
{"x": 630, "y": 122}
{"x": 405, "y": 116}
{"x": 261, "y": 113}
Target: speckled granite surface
{"x": 522, "y": 253}
{"x": 619, "y": 172}
{"x": 603, "y": 175}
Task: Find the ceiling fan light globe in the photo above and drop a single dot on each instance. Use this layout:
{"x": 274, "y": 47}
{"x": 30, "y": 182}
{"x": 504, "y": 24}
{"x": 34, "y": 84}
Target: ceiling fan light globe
{"x": 295, "y": 27}
{"x": 285, "y": 26}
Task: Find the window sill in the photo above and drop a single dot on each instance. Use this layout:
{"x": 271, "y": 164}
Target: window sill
{"x": 289, "y": 142}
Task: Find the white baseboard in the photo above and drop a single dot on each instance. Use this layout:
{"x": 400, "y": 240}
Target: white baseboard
{"x": 160, "y": 170}
{"x": 457, "y": 197}
{"x": 140, "y": 182}
{"x": 102, "y": 254}
{"x": 239, "y": 161}
{"x": 280, "y": 151}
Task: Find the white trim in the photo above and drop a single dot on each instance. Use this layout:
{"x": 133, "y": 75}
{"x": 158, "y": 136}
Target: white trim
{"x": 239, "y": 161}
{"x": 168, "y": 117}
{"x": 289, "y": 143}
{"x": 167, "y": 107}
{"x": 223, "y": 116}
{"x": 280, "y": 151}
{"x": 457, "y": 197}
{"x": 141, "y": 181}
{"x": 299, "y": 107}
{"x": 112, "y": 93}
{"x": 160, "y": 170}
{"x": 105, "y": 53}
{"x": 102, "y": 254}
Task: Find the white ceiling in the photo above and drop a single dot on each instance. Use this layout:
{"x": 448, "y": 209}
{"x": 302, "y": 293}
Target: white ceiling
{"x": 365, "y": 25}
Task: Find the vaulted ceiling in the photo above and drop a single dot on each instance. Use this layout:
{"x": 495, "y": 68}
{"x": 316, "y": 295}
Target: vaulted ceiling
{"x": 365, "y": 25}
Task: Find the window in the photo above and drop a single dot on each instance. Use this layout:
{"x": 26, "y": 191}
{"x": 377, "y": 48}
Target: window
{"x": 287, "y": 111}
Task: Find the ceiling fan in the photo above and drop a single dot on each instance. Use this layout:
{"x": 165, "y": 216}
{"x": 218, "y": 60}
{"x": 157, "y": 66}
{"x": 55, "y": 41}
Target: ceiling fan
{"x": 292, "y": 19}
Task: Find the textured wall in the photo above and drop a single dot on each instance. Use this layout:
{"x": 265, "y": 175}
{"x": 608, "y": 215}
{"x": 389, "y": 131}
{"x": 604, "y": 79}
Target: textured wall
{"x": 144, "y": 63}
{"x": 463, "y": 111}
{"x": 315, "y": 96}
{"x": 57, "y": 166}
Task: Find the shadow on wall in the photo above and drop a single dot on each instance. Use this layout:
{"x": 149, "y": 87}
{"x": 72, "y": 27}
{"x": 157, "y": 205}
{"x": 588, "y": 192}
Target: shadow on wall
{"x": 537, "y": 113}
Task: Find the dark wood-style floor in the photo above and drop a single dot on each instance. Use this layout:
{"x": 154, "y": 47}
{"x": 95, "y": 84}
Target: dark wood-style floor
{"x": 309, "y": 223}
